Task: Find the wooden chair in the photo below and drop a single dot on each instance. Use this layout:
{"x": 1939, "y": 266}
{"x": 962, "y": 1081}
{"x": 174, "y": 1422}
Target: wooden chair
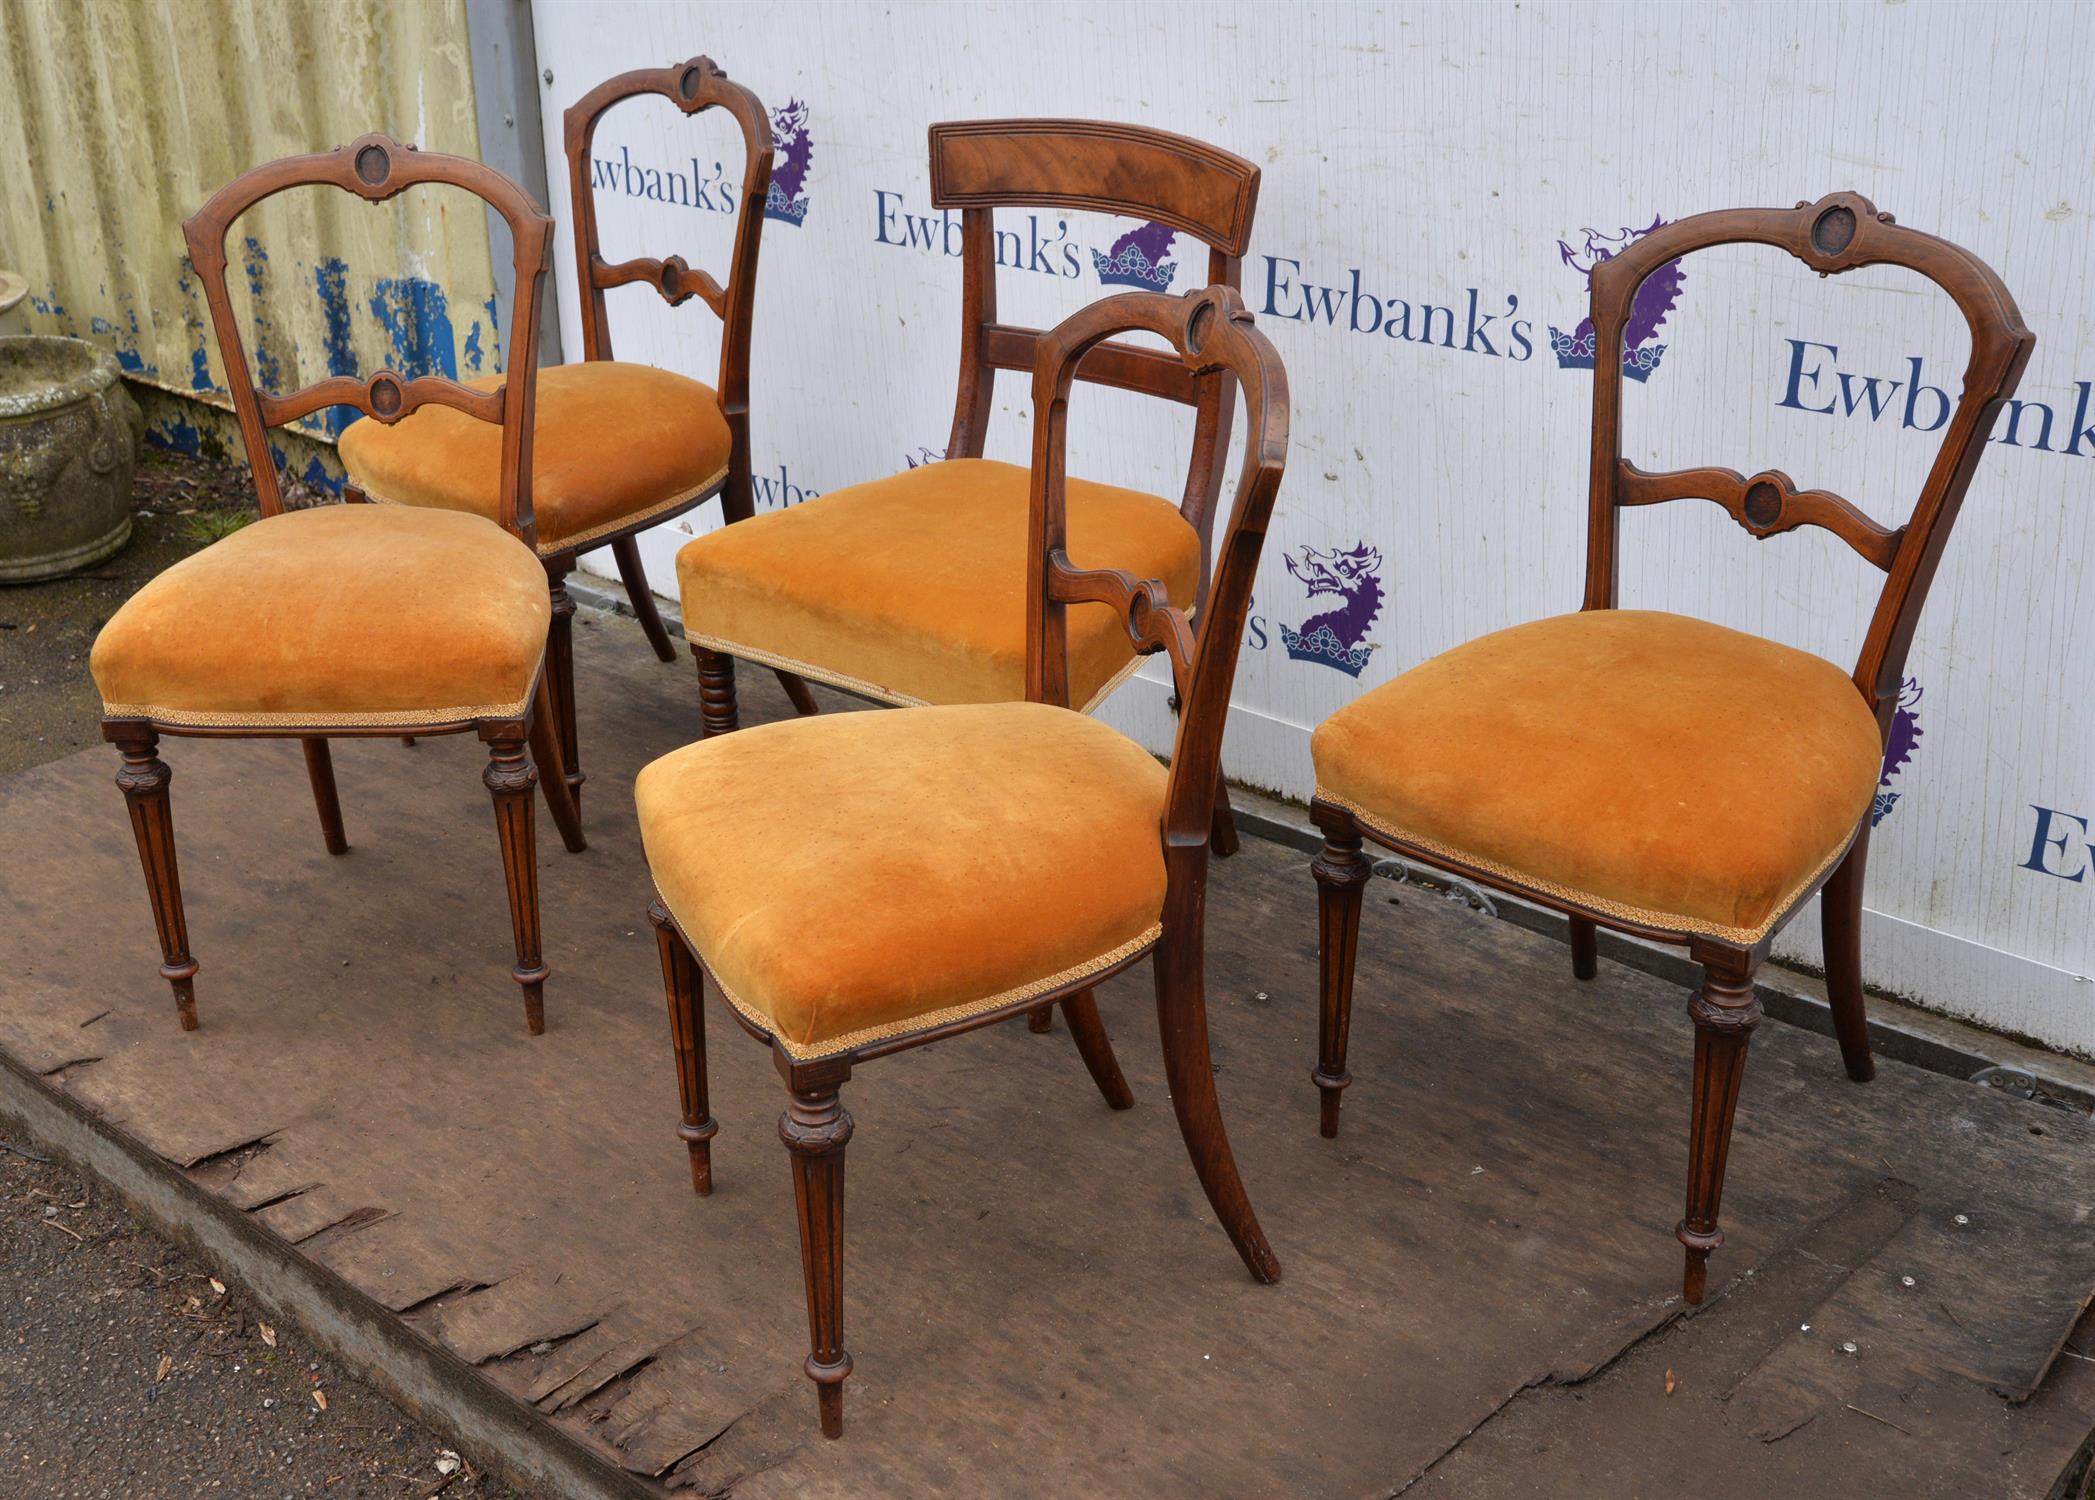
{"x": 619, "y": 447}
{"x": 349, "y": 619}
{"x": 863, "y": 883}
{"x": 906, "y": 590}
{"x": 1655, "y": 774}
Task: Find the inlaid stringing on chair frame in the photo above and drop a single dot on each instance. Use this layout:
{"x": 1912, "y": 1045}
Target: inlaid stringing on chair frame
{"x": 375, "y": 168}
{"x": 1132, "y": 171}
{"x": 1836, "y": 234}
{"x": 1215, "y": 338}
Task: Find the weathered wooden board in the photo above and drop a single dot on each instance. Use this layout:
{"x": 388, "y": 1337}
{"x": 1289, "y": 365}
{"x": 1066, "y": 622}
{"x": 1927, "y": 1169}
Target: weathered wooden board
{"x": 1038, "y": 1298}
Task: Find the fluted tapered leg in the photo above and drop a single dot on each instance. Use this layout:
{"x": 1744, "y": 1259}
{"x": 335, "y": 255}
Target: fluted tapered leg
{"x": 560, "y": 671}
{"x": 816, "y": 1128}
{"x": 1585, "y": 948}
{"x": 633, "y": 574}
{"x": 1725, "y": 1011}
{"x": 1342, "y": 874}
{"x": 1042, "y": 1021}
{"x": 716, "y": 693}
{"x": 512, "y": 782}
{"x": 320, "y": 770}
{"x": 1096, "y": 1048}
{"x": 684, "y": 983}
{"x": 143, "y": 780}
{"x": 1840, "y": 924}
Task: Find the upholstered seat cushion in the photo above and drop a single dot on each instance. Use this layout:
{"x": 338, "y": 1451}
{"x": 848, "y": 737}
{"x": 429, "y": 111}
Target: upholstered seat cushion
{"x": 611, "y": 444}
{"x": 1644, "y": 765}
{"x": 912, "y": 589}
{"x": 866, "y": 874}
{"x": 344, "y": 614}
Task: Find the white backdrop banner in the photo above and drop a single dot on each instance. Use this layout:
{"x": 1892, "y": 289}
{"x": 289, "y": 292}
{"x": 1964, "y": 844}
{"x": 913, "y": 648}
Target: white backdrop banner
{"x": 1437, "y": 182}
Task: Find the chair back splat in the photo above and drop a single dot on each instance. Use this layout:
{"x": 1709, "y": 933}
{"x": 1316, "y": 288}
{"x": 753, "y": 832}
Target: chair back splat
{"x": 693, "y": 86}
{"x": 376, "y": 167}
{"x": 979, "y": 166}
{"x": 1215, "y": 341}
{"x": 1838, "y": 233}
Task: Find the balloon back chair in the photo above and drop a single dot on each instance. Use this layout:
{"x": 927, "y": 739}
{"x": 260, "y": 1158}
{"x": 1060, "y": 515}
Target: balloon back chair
{"x": 859, "y": 884}
{"x": 619, "y": 447}
{"x": 907, "y": 590}
{"x": 350, "y": 620}
{"x": 1655, "y": 774}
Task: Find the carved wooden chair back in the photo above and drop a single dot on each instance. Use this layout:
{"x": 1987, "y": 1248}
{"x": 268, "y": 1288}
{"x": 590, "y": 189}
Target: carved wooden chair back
{"x": 1838, "y": 233}
{"x": 1212, "y": 335}
{"x": 979, "y": 166}
{"x": 693, "y": 87}
{"x": 376, "y": 167}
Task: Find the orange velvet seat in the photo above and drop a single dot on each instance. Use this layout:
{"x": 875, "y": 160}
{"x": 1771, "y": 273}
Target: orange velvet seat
{"x": 343, "y": 614}
{"x": 912, "y": 589}
{"x": 612, "y": 444}
{"x": 1647, "y": 766}
{"x": 859, "y": 875}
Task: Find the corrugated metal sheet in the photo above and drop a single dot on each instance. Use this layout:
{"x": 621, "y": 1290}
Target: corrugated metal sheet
{"x": 127, "y": 114}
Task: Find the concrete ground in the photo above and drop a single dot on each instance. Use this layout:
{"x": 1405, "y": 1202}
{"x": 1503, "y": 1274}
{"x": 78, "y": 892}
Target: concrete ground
{"x": 129, "y": 1371}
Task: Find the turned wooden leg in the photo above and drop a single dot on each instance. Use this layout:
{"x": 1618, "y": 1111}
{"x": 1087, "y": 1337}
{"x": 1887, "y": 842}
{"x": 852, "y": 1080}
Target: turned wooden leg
{"x": 408, "y": 740}
{"x": 1840, "y": 923}
{"x": 685, "y": 984}
{"x": 143, "y": 780}
{"x": 1222, "y": 830}
{"x": 633, "y": 574}
{"x": 511, "y": 781}
{"x": 1189, "y": 1071}
{"x": 797, "y": 689}
{"x": 1342, "y": 874}
{"x": 545, "y": 752}
{"x": 1096, "y": 1048}
{"x": 1725, "y": 1011}
{"x": 1585, "y": 948}
{"x": 1042, "y": 1021}
{"x": 560, "y": 666}
{"x": 320, "y": 770}
{"x": 816, "y": 1128}
{"x": 716, "y": 692}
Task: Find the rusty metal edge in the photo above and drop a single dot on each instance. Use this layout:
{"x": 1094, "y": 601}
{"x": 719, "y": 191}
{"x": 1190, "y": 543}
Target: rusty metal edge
{"x": 433, "y": 1385}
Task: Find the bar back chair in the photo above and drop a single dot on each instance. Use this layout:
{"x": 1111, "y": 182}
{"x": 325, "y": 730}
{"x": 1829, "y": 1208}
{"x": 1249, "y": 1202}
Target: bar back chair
{"x": 619, "y": 447}
{"x": 950, "y": 867}
{"x": 350, "y": 620}
{"x": 1654, "y": 774}
{"x": 906, "y": 590}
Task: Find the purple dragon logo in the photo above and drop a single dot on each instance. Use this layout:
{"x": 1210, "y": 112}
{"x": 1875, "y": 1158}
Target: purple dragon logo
{"x": 1641, "y": 351}
{"x": 1137, "y": 259}
{"x": 787, "y": 199}
{"x": 1899, "y": 746}
{"x": 1337, "y": 637}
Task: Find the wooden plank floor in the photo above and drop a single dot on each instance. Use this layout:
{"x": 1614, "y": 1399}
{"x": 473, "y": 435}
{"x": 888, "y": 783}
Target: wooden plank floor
{"x": 1480, "y": 1277}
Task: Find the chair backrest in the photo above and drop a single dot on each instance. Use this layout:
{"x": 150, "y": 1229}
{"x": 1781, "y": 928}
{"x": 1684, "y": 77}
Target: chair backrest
{"x": 692, "y": 86}
{"x": 375, "y": 167}
{"x": 1212, "y": 334}
{"x": 1838, "y": 233}
{"x": 979, "y": 166}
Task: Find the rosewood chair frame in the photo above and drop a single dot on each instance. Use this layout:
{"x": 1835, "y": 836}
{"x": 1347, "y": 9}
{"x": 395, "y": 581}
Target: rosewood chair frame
{"x": 693, "y": 86}
{"x": 979, "y": 166}
{"x": 1836, "y": 234}
{"x": 375, "y": 168}
{"x": 1212, "y": 335}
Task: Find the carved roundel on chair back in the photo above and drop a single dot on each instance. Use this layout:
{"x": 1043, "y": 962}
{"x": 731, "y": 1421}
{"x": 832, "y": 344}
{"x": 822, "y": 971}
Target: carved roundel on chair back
{"x": 1836, "y": 234}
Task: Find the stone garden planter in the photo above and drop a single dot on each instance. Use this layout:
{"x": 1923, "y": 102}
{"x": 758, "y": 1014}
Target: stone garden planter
{"x": 69, "y": 439}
